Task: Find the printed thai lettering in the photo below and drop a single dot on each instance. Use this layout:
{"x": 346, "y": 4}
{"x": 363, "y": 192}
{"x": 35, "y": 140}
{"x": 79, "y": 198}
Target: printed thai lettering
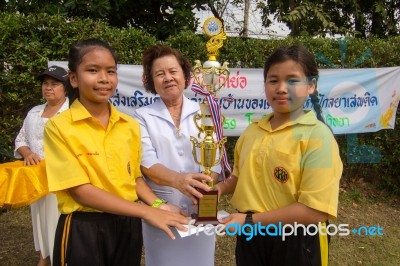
{"x": 248, "y": 115}
{"x": 235, "y": 82}
{"x": 337, "y": 121}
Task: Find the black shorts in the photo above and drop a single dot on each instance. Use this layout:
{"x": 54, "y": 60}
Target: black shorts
{"x": 299, "y": 250}
{"x": 91, "y": 238}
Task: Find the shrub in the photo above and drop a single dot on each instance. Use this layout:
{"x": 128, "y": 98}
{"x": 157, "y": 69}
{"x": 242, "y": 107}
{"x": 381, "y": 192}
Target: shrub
{"x": 27, "y": 43}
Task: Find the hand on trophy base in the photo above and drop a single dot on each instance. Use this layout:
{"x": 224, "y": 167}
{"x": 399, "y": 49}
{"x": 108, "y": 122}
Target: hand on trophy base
{"x": 207, "y": 208}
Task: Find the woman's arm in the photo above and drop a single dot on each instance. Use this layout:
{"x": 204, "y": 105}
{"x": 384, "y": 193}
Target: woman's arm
{"x": 22, "y": 143}
{"x": 156, "y": 171}
{"x": 30, "y": 158}
{"x": 187, "y": 183}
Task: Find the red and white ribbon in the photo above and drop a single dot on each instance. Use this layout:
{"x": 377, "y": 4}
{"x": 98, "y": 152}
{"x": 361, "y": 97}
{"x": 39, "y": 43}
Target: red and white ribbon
{"x": 216, "y": 116}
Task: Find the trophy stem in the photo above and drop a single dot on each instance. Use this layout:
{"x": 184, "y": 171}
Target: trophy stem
{"x": 209, "y": 79}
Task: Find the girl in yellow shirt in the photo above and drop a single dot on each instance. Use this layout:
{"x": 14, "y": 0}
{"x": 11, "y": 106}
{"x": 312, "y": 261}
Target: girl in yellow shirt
{"x": 286, "y": 171}
{"x": 93, "y": 166}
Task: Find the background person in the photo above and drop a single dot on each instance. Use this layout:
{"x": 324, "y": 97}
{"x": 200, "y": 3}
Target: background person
{"x": 286, "y": 167}
{"x": 94, "y": 156}
{"x": 29, "y": 146}
{"x": 168, "y": 164}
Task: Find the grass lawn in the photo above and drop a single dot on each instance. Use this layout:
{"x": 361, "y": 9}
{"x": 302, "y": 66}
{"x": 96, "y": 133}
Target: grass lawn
{"x": 361, "y": 204}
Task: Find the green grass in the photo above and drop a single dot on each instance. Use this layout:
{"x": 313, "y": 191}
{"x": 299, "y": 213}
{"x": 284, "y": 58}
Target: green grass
{"x": 359, "y": 204}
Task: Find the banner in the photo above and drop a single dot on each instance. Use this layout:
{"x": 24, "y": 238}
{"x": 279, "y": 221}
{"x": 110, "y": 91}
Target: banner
{"x": 352, "y": 100}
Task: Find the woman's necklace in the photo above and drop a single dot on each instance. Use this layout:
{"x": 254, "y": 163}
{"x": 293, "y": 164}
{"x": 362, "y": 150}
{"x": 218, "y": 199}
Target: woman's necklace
{"x": 176, "y": 117}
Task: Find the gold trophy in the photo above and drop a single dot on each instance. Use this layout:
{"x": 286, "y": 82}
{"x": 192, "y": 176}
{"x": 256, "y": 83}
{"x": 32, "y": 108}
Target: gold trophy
{"x": 210, "y": 78}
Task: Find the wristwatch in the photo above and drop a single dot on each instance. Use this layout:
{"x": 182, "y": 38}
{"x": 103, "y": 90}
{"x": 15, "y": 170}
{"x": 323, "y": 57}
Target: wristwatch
{"x": 249, "y": 219}
{"x": 158, "y": 202}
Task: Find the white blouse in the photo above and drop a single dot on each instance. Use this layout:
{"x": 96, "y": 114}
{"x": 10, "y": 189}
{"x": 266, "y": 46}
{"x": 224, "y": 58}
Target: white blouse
{"x": 32, "y": 131}
{"x": 163, "y": 143}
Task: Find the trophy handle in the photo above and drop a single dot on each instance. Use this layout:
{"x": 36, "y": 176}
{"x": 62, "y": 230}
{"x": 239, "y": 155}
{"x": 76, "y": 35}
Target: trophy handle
{"x": 197, "y": 71}
{"x": 197, "y": 117}
{"x": 223, "y": 71}
{"x": 223, "y": 119}
{"x": 221, "y": 150}
{"x": 195, "y": 144}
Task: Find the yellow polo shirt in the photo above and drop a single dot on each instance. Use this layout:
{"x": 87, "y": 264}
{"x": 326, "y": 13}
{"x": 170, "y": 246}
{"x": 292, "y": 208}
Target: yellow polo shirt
{"x": 78, "y": 150}
{"x": 297, "y": 162}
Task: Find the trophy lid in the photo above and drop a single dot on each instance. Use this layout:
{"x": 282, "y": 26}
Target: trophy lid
{"x": 213, "y": 28}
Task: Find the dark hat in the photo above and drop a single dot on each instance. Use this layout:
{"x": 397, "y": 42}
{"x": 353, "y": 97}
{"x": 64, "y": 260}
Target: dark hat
{"x": 56, "y": 72}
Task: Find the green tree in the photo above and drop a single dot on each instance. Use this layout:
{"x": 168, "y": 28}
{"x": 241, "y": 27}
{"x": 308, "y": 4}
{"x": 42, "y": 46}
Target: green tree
{"x": 161, "y": 18}
{"x": 320, "y": 17}
{"x": 378, "y": 18}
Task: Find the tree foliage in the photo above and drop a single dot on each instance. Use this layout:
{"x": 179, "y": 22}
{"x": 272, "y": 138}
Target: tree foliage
{"x": 163, "y": 18}
{"x": 28, "y": 42}
{"x": 159, "y": 18}
{"x": 320, "y": 17}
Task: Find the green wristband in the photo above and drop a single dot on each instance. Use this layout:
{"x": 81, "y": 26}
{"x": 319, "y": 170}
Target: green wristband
{"x": 158, "y": 202}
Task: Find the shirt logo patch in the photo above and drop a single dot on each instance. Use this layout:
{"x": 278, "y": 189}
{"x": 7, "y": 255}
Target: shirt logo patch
{"x": 281, "y": 174}
{"x": 128, "y": 166}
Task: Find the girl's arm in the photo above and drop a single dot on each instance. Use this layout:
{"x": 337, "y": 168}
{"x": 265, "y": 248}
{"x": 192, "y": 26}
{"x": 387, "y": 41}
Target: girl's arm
{"x": 144, "y": 192}
{"x": 227, "y": 186}
{"x": 147, "y": 195}
{"x": 96, "y": 198}
{"x": 296, "y": 212}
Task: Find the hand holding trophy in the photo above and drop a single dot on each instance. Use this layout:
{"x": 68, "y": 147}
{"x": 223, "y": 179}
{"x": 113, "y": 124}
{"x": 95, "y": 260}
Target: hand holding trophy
{"x": 209, "y": 79}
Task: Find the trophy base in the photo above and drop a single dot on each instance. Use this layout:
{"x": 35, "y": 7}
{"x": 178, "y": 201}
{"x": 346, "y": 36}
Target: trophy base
{"x": 212, "y": 222}
{"x": 207, "y": 208}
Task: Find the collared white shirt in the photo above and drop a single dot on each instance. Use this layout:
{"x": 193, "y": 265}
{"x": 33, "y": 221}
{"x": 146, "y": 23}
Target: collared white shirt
{"x": 31, "y": 133}
{"x": 163, "y": 143}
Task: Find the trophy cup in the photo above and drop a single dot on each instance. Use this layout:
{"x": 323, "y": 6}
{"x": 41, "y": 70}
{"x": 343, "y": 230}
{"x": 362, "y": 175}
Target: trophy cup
{"x": 209, "y": 79}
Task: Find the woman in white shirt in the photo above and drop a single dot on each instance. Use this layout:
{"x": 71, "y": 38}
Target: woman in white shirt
{"x": 29, "y": 146}
{"x": 167, "y": 163}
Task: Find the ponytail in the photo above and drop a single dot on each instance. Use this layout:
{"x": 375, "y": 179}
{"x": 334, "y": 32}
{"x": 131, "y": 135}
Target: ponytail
{"x": 317, "y": 107}
{"x": 73, "y": 93}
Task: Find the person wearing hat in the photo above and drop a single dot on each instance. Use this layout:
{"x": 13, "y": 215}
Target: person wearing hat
{"x": 29, "y": 146}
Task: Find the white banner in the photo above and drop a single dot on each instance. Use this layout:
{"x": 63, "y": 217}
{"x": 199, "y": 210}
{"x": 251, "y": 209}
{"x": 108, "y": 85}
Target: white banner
{"x": 352, "y": 100}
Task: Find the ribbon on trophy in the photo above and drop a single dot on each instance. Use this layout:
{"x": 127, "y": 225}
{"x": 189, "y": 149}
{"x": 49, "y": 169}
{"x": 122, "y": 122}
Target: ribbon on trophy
{"x": 215, "y": 110}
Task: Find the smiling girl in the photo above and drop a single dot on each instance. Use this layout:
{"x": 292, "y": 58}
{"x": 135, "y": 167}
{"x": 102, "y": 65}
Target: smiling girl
{"x": 93, "y": 166}
{"x": 286, "y": 168}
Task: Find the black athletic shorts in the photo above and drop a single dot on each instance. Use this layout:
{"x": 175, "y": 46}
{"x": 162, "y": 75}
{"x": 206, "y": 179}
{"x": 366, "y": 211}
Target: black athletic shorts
{"x": 92, "y": 238}
{"x": 300, "y": 250}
